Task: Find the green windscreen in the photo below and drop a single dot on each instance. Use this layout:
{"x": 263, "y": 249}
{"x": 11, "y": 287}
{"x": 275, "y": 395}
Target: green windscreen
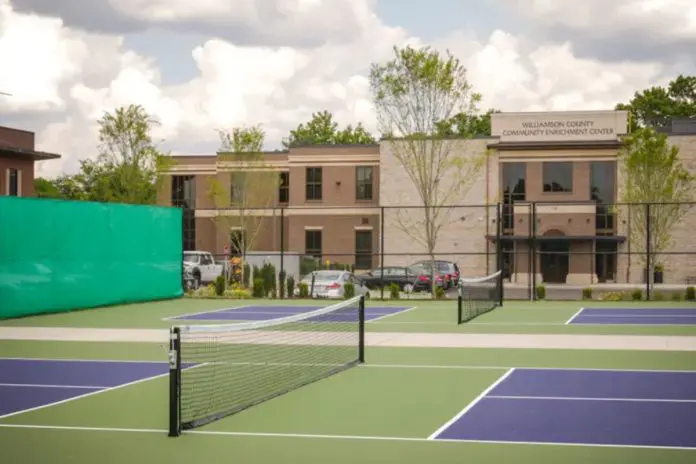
{"x": 58, "y": 256}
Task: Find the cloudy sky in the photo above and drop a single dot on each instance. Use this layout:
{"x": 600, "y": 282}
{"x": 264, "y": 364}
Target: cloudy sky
{"x": 203, "y": 65}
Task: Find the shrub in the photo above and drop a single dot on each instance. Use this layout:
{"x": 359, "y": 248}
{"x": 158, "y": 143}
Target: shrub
{"x": 304, "y": 290}
{"x": 637, "y": 294}
{"x": 540, "y": 292}
{"x": 245, "y": 278}
{"x": 394, "y": 291}
{"x": 439, "y": 293}
{"x": 611, "y": 296}
{"x": 676, "y": 296}
{"x": 291, "y": 286}
{"x": 237, "y": 293}
{"x": 690, "y": 293}
{"x": 586, "y": 293}
{"x": 258, "y": 289}
{"x": 268, "y": 274}
{"x": 219, "y": 285}
{"x": 348, "y": 290}
{"x": 658, "y": 296}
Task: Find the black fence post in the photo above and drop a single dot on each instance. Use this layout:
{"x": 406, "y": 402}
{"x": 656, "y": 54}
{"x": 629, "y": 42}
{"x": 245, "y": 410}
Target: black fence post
{"x": 648, "y": 262}
{"x": 281, "y": 291}
{"x": 534, "y": 250}
{"x": 499, "y": 246}
{"x": 381, "y": 252}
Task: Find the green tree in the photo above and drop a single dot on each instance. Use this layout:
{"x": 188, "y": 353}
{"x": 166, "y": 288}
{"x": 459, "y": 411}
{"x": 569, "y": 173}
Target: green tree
{"x": 466, "y": 125}
{"x": 654, "y": 181}
{"x": 247, "y": 190}
{"x": 657, "y": 106}
{"x": 323, "y": 130}
{"x": 412, "y": 93}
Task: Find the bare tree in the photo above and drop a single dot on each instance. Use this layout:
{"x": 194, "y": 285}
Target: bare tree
{"x": 413, "y": 94}
{"x": 249, "y": 189}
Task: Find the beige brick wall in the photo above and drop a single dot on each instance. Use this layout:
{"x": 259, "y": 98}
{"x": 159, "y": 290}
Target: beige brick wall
{"x": 679, "y": 263}
{"x": 462, "y": 234}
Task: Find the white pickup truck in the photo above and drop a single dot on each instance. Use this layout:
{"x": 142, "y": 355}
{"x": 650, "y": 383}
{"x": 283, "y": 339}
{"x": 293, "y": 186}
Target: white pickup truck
{"x": 200, "y": 267}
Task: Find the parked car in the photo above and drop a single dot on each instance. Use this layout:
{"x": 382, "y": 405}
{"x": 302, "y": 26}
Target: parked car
{"x": 331, "y": 284}
{"x": 381, "y": 277}
{"x": 447, "y": 269}
{"x": 201, "y": 267}
{"x": 409, "y": 279}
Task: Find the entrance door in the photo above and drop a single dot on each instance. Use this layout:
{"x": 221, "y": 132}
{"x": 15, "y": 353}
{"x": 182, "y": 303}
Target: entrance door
{"x": 554, "y": 259}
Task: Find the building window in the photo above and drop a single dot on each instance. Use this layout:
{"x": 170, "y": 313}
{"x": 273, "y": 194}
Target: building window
{"x": 184, "y": 196}
{"x": 284, "y": 188}
{"x": 558, "y": 176}
{"x": 602, "y": 192}
{"x": 514, "y": 189}
{"x": 313, "y": 184}
{"x": 363, "y": 249}
{"x": 363, "y": 182}
{"x": 13, "y": 182}
{"x": 313, "y": 243}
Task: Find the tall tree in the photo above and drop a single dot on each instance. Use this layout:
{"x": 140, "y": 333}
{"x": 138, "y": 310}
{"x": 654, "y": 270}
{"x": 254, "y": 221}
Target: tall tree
{"x": 655, "y": 181}
{"x": 243, "y": 195}
{"x": 466, "y": 125}
{"x": 657, "y": 106}
{"x": 411, "y": 93}
{"x": 323, "y": 130}
{"x": 129, "y": 166}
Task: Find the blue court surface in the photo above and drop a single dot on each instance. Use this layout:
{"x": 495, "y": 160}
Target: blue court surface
{"x": 27, "y": 384}
{"x": 635, "y": 316}
{"x": 263, "y": 312}
{"x": 592, "y": 407}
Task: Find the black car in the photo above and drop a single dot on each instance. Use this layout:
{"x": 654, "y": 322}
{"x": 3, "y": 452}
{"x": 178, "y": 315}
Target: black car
{"x": 408, "y": 279}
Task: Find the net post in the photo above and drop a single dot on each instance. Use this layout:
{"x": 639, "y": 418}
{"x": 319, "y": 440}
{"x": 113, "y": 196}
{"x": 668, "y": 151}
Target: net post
{"x": 174, "y": 382}
{"x": 460, "y": 309}
{"x": 361, "y": 329}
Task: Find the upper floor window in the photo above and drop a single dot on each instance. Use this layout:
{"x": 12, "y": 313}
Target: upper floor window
{"x": 514, "y": 176}
{"x": 184, "y": 191}
{"x": 364, "y": 182}
{"x": 313, "y": 186}
{"x": 284, "y": 188}
{"x": 558, "y": 176}
{"x": 602, "y": 181}
{"x": 13, "y": 182}
{"x": 313, "y": 243}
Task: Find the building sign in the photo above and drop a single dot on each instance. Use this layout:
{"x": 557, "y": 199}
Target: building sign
{"x": 559, "y": 126}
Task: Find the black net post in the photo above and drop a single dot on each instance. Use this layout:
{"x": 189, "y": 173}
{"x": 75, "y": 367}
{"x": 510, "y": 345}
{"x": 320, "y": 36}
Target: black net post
{"x": 499, "y": 248}
{"x": 361, "y": 329}
{"x": 174, "y": 382}
{"x": 460, "y": 308}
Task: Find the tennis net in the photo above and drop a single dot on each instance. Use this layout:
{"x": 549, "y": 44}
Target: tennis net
{"x": 220, "y": 370}
{"x": 478, "y": 296}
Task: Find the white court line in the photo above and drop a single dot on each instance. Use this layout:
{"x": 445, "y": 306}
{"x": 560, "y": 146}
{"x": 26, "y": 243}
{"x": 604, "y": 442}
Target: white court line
{"x": 576, "y": 398}
{"x": 407, "y": 366}
{"x": 43, "y": 385}
{"x": 388, "y": 315}
{"x": 677, "y": 316}
{"x": 334, "y": 437}
{"x": 574, "y": 316}
{"x": 473, "y": 403}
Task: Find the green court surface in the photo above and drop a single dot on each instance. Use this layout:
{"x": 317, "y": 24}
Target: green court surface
{"x": 543, "y": 317}
{"x": 380, "y": 412}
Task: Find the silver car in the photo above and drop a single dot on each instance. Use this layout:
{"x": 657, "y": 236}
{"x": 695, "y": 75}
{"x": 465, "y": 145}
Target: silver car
{"x": 331, "y": 284}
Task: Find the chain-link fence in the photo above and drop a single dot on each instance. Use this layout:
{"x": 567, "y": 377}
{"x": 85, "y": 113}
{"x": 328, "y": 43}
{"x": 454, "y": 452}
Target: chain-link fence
{"x": 550, "y": 250}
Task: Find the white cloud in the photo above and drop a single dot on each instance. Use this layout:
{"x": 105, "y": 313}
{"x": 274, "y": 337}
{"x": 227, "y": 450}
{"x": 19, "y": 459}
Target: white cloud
{"x": 80, "y": 76}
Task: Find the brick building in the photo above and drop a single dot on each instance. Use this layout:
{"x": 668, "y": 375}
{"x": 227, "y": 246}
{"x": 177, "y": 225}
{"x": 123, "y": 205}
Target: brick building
{"x": 559, "y": 168}
{"x": 326, "y": 204}
{"x": 17, "y": 160}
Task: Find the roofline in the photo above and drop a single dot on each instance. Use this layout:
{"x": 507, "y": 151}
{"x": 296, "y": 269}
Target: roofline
{"x": 17, "y": 130}
{"x": 33, "y": 154}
